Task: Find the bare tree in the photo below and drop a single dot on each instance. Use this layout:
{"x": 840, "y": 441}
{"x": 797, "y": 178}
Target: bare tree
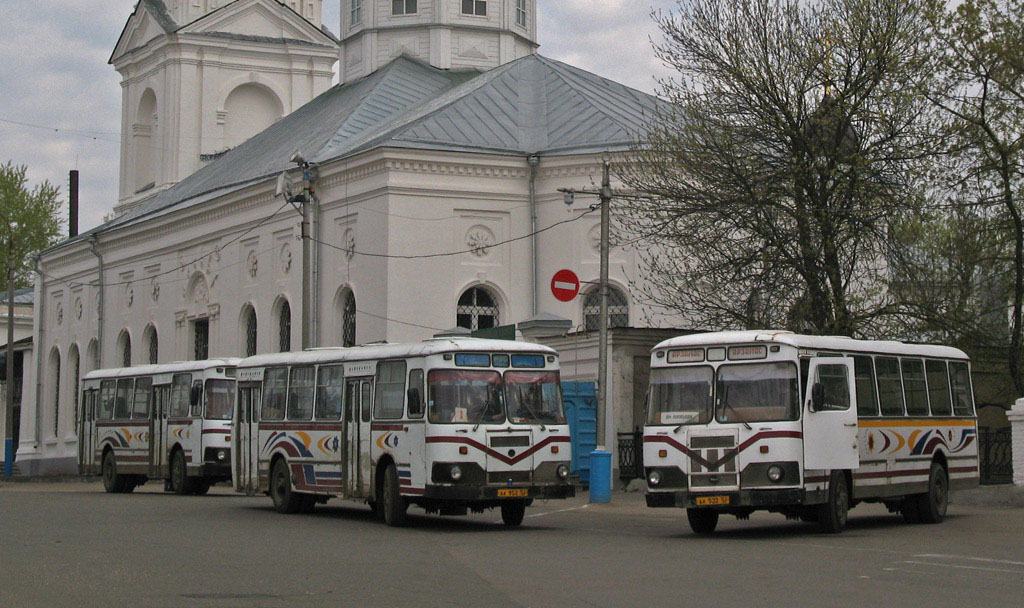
{"x": 791, "y": 141}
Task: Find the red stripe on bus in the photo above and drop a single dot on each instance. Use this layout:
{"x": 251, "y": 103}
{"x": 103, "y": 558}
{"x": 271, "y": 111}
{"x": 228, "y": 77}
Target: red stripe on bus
{"x": 380, "y": 426}
{"x": 414, "y": 490}
{"x": 306, "y": 426}
{"x": 216, "y": 431}
{"x": 179, "y": 421}
{"x": 126, "y": 423}
{"x": 496, "y": 454}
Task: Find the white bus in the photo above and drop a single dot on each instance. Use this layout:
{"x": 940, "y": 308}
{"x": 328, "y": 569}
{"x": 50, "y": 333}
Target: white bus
{"x": 170, "y": 422}
{"x": 807, "y": 426}
{"x": 449, "y": 425}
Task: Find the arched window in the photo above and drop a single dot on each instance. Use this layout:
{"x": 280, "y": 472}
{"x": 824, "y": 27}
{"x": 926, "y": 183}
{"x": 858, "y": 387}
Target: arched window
{"x": 124, "y": 346}
{"x": 152, "y": 345}
{"x": 618, "y": 309}
{"x": 74, "y": 362}
{"x": 144, "y": 139}
{"x": 249, "y": 329}
{"x": 348, "y": 318}
{"x": 55, "y": 367}
{"x": 284, "y": 327}
{"x": 477, "y": 309}
{"x": 249, "y": 109}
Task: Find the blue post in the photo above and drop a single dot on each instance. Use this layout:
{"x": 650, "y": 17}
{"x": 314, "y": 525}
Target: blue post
{"x": 600, "y": 476}
{"x": 8, "y": 457}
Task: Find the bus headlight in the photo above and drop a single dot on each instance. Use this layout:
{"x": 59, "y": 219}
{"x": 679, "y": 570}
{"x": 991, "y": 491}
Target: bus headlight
{"x": 455, "y": 472}
{"x": 222, "y": 454}
{"x": 775, "y": 473}
{"x": 654, "y": 478}
{"x": 563, "y": 472}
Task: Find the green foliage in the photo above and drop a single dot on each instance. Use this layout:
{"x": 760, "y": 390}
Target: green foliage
{"x": 29, "y": 221}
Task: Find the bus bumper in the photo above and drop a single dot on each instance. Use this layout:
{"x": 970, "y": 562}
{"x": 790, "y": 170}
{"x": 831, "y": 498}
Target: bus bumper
{"x": 728, "y": 500}
{"x": 498, "y": 493}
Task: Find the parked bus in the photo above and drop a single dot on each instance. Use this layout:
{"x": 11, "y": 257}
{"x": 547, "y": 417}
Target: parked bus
{"x": 449, "y": 425}
{"x": 807, "y": 426}
{"x": 170, "y": 422}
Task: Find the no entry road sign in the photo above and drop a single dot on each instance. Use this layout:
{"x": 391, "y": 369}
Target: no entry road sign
{"x": 565, "y": 285}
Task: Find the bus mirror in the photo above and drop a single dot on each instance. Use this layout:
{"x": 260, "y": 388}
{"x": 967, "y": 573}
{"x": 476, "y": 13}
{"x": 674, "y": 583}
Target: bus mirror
{"x": 817, "y": 397}
{"x": 193, "y": 396}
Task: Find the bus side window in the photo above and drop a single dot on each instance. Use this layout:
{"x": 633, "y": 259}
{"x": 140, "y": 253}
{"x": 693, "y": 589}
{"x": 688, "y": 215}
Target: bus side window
{"x": 123, "y": 399}
{"x": 179, "y": 395}
{"x": 836, "y": 388}
{"x": 890, "y": 388}
{"x": 143, "y": 397}
{"x": 938, "y": 387}
{"x": 960, "y": 376}
{"x": 330, "y": 388}
{"x": 195, "y": 398}
{"x": 106, "y": 409}
{"x": 390, "y": 393}
{"x": 275, "y": 387}
{"x": 864, "y": 374}
{"x": 365, "y": 401}
{"x": 415, "y": 393}
{"x": 914, "y": 388}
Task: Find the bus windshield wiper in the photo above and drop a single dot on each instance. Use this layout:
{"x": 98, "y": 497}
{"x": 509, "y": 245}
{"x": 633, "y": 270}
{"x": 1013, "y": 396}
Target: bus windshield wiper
{"x": 523, "y": 402}
{"x": 727, "y": 405}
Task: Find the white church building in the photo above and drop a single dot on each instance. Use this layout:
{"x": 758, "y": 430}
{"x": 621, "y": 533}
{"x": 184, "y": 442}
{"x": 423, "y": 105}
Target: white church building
{"x": 436, "y": 162}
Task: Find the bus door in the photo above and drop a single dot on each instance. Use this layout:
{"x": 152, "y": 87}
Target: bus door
{"x": 158, "y": 430}
{"x": 246, "y": 438}
{"x": 86, "y": 431}
{"x": 830, "y": 415}
{"x": 358, "y": 394}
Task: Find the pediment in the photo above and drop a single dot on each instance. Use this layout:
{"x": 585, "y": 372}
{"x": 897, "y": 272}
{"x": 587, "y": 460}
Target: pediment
{"x": 266, "y": 18}
{"x": 142, "y": 27}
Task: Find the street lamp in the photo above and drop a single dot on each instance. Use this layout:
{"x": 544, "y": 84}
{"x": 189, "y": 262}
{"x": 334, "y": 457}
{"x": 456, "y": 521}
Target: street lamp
{"x": 605, "y": 196}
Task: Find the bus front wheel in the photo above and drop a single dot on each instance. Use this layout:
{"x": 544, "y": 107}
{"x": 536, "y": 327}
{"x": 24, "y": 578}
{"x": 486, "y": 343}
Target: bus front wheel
{"x": 392, "y": 503}
{"x": 702, "y": 521}
{"x": 112, "y": 481}
{"x": 833, "y": 514}
{"x": 181, "y": 484}
{"x": 513, "y": 511}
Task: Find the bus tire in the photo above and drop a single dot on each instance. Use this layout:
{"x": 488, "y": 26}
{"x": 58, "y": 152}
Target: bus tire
{"x": 513, "y": 511}
{"x": 702, "y": 521}
{"x": 833, "y": 514}
{"x": 910, "y": 508}
{"x": 201, "y": 487}
{"x": 932, "y": 506}
{"x": 181, "y": 483}
{"x": 308, "y": 503}
{"x": 392, "y": 503}
{"x": 285, "y": 500}
{"x": 113, "y": 483}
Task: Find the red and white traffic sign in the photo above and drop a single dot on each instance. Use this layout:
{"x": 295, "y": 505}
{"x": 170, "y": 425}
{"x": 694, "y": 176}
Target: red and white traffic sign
{"x": 565, "y": 285}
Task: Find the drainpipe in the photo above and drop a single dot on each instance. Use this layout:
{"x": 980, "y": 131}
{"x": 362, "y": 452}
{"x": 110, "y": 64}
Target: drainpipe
{"x": 534, "y": 161}
{"x": 40, "y": 310}
{"x": 99, "y": 304}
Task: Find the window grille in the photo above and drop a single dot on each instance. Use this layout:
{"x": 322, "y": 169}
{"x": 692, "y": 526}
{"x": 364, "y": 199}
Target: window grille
{"x": 201, "y": 333}
{"x": 284, "y": 328}
{"x": 477, "y": 310}
{"x": 56, "y": 398}
{"x": 154, "y": 346}
{"x": 348, "y": 321}
{"x": 74, "y": 386}
{"x": 250, "y": 332}
{"x": 126, "y": 351}
{"x": 618, "y": 309}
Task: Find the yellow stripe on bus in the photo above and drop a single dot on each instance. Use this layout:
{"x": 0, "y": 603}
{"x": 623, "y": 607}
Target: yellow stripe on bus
{"x": 913, "y": 422}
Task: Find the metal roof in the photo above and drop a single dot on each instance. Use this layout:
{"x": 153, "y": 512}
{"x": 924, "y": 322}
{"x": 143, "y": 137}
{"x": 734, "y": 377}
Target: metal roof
{"x": 533, "y": 105}
{"x": 836, "y": 343}
{"x": 25, "y": 295}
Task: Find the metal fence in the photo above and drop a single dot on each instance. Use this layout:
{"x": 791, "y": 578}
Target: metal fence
{"x": 995, "y": 455}
{"x": 631, "y": 455}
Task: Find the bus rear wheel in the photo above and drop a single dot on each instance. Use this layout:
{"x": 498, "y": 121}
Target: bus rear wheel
{"x": 513, "y": 511}
{"x": 931, "y": 507}
{"x": 392, "y": 503}
{"x": 181, "y": 484}
{"x": 702, "y": 521}
{"x": 833, "y": 514}
{"x": 285, "y": 500}
{"x": 113, "y": 482}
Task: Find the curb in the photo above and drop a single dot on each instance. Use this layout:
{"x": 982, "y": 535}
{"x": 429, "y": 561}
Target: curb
{"x": 990, "y": 496}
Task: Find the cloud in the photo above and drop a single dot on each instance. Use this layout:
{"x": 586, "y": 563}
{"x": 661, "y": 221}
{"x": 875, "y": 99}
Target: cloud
{"x": 55, "y": 80}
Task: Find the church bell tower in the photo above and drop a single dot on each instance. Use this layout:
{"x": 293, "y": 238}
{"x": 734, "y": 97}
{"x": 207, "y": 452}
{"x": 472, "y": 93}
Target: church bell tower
{"x": 447, "y": 34}
{"x": 199, "y": 77}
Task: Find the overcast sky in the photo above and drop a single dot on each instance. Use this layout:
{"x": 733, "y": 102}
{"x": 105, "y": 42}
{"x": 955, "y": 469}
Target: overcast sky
{"x": 55, "y": 80}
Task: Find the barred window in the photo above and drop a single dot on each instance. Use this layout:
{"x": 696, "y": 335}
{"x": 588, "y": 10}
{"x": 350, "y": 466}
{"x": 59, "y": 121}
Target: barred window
{"x": 56, "y": 396}
{"x": 348, "y": 320}
{"x": 284, "y": 328}
{"x": 126, "y": 349}
{"x": 153, "y": 344}
{"x": 201, "y": 332}
{"x": 249, "y": 322}
{"x": 477, "y": 310}
{"x": 618, "y": 309}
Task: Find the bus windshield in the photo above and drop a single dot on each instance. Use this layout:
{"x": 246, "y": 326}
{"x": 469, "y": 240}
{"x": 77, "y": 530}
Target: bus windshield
{"x": 533, "y": 398}
{"x": 680, "y": 395}
{"x": 220, "y": 396}
{"x": 757, "y": 392}
{"x": 465, "y": 396}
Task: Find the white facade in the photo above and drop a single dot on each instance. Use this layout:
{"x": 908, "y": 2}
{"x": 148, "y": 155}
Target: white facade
{"x": 221, "y": 72}
{"x": 437, "y": 32}
{"x": 389, "y": 218}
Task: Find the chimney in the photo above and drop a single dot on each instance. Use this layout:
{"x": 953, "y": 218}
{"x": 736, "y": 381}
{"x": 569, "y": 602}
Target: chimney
{"x": 73, "y": 204}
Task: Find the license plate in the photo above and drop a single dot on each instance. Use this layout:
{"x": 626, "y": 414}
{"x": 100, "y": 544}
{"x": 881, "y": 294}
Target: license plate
{"x": 705, "y": 501}
{"x": 514, "y": 493}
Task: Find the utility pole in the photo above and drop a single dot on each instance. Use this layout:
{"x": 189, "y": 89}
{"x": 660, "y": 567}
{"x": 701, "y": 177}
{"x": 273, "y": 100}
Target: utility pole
{"x": 605, "y": 195}
{"x": 9, "y": 392}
